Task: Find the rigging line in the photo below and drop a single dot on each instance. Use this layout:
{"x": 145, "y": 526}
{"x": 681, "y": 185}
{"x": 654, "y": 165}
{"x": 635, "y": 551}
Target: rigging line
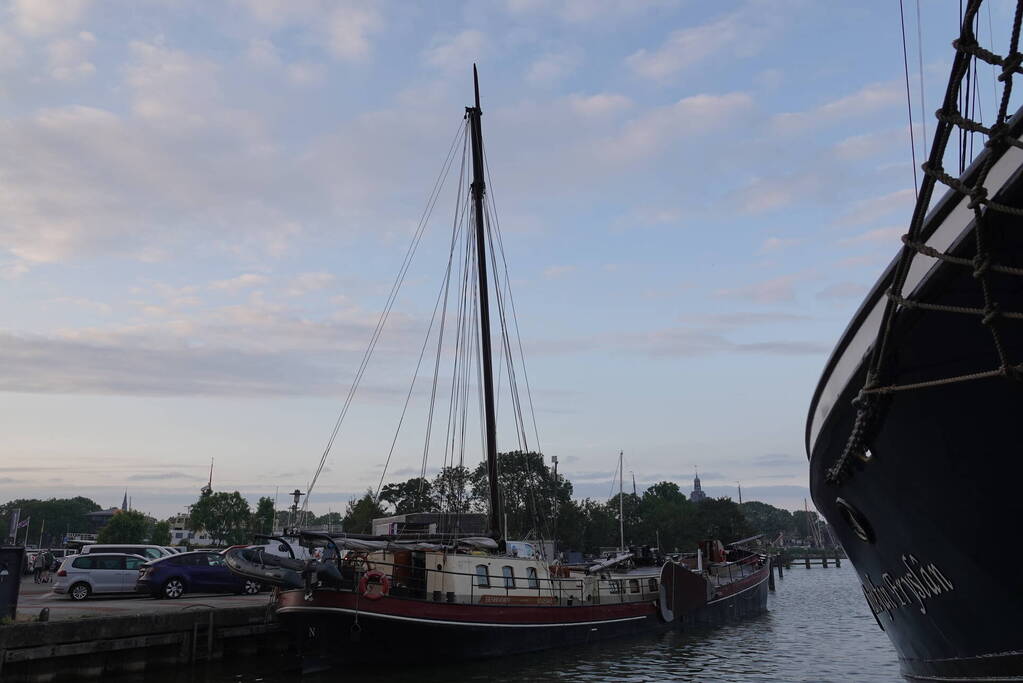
{"x": 511, "y": 300}
{"x": 382, "y": 320}
{"x": 422, "y": 353}
{"x": 909, "y": 100}
{"x": 456, "y": 223}
{"x": 994, "y": 69}
{"x": 920, "y": 66}
{"x": 513, "y": 387}
{"x": 452, "y": 429}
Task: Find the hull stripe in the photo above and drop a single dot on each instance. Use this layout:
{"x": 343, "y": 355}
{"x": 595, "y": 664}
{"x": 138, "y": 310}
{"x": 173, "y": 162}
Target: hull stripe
{"x": 442, "y": 622}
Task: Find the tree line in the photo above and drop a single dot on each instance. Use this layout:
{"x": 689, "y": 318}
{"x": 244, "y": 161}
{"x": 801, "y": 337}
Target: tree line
{"x": 535, "y": 503}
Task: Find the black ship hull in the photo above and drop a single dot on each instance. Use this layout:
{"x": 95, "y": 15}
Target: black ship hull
{"x": 928, "y": 513}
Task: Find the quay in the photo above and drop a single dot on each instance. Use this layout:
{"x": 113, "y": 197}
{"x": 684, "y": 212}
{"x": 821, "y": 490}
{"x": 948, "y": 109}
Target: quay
{"x": 55, "y": 639}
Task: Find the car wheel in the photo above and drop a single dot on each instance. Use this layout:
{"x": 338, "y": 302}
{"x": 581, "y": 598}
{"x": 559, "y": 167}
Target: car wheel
{"x": 251, "y": 587}
{"x": 80, "y": 591}
{"x": 174, "y": 588}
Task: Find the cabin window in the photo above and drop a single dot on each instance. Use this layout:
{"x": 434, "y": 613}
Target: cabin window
{"x": 482, "y": 576}
{"x": 614, "y": 586}
{"x": 531, "y": 577}
{"x": 509, "y": 576}
{"x": 652, "y": 585}
{"x": 633, "y": 585}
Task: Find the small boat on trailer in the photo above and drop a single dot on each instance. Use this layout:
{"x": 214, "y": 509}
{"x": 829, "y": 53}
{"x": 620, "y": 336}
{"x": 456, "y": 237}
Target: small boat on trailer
{"x": 429, "y": 598}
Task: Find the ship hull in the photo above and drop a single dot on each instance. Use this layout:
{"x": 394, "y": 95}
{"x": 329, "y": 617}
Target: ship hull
{"x": 343, "y": 626}
{"x": 929, "y": 514}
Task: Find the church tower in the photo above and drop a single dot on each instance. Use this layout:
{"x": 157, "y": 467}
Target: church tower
{"x": 697, "y": 495}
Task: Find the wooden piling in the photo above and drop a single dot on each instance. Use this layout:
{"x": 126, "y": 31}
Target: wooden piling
{"x": 838, "y": 558}
{"x": 770, "y": 573}
{"x": 781, "y": 573}
{"x": 807, "y": 560}
{"x": 824, "y": 559}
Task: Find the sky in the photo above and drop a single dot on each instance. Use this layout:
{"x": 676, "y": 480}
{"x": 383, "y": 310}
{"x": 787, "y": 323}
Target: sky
{"x": 203, "y": 207}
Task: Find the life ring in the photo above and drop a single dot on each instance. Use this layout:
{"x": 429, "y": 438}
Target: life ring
{"x": 378, "y": 578}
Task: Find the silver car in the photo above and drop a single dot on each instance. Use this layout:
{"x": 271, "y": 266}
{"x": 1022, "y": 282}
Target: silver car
{"x": 84, "y": 575}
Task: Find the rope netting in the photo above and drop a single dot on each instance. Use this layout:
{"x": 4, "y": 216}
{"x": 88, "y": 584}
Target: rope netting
{"x": 956, "y": 113}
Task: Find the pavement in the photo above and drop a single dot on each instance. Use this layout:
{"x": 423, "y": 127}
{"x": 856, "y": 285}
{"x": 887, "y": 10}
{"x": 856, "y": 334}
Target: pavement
{"x": 34, "y": 597}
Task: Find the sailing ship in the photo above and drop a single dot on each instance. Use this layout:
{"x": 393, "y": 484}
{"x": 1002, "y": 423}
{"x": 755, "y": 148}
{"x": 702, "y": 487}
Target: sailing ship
{"x": 448, "y": 595}
{"x": 913, "y": 432}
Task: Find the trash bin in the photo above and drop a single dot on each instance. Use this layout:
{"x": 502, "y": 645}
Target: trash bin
{"x": 11, "y": 559}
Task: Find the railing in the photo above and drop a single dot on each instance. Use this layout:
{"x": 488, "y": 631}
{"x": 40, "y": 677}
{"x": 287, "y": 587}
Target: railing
{"x": 564, "y": 590}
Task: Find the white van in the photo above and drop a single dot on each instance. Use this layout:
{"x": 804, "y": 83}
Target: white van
{"x": 150, "y": 552}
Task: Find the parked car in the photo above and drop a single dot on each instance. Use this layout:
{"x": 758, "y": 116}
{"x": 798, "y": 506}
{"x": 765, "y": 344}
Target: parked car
{"x": 195, "y": 572}
{"x": 150, "y": 552}
{"x": 58, "y": 557}
{"x": 84, "y": 575}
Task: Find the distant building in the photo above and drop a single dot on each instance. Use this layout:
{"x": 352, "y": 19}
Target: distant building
{"x": 465, "y": 524}
{"x": 182, "y": 533}
{"x": 697, "y": 495}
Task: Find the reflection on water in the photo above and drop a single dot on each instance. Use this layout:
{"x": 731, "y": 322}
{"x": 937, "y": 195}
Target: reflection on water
{"x": 818, "y": 629}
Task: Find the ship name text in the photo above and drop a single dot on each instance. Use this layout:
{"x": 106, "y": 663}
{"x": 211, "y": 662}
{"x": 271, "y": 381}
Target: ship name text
{"x": 919, "y": 583}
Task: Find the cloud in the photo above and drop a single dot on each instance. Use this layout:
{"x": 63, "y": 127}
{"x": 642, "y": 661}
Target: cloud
{"x": 738, "y": 34}
{"x": 69, "y": 57}
{"x": 587, "y": 11}
{"x": 342, "y": 27}
{"x": 553, "y": 67}
{"x": 843, "y": 290}
{"x": 243, "y": 281}
{"x": 774, "y": 290}
{"x": 743, "y": 319}
{"x": 553, "y": 272}
{"x": 160, "y": 476}
{"x": 601, "y": 104}
{"x": 308, "y": 282}
{"x": 868, "y": 99}
{"x": 82, "y": 303}
{"x": 884, "y": 236}
{"x": 457, "y": 52}
{"x": 42, "y": 17}
{"x": 779, "y": 243}
{"x": 869, "y": 210}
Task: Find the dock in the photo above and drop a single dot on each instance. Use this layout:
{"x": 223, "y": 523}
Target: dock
{"x": 55, "y": 638}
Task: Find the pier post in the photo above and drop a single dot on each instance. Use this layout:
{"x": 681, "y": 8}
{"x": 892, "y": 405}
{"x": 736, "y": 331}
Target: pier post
{"x": 824, "y": 559}
{"x": 770, "y": 573}
{"x": 838, "y": 558}
{"x": 807, "y": 560}
{"x": 781, "y": 572}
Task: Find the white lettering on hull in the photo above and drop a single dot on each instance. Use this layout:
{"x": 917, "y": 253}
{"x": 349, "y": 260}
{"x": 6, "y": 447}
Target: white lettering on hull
{"x": 912, "y": 589}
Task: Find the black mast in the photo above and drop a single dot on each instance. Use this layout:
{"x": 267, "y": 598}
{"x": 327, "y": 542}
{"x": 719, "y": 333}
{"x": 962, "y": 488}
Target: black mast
{"x": 478, "y": 189}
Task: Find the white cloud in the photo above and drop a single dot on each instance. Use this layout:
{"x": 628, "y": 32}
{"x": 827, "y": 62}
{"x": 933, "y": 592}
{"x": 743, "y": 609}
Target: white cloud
{"x": 458, "y": 52}
{"x": 553, "y": 67}
{"x": 42, "y": 17}
{"x": 870, "y": 210}
{"x": 779, "y": 243}
{"x": 348, "y": 29}
{"x": 601, "y": 104}
{"x": 243, "y": 281}
{"x": 885, "y": 236}
{"x": 552, "y": 272}
{"x": 309, "y": 282}
{"x": 342, "y": 27}
{"x": 69, "y": 57}
{"x": 738, "y": 34}
{"x": 869, "y": 99}
{"x": 843, "y": 290}
{"x": 586, "y": 11}
{"x": 780, "y": 289}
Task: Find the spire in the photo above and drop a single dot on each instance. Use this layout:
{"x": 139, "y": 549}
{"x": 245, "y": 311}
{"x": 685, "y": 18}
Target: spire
{"x": 697, "y": 495}
{"x": 124, "y": 503}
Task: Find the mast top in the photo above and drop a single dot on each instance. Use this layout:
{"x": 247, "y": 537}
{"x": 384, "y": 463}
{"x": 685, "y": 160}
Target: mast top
{"x": 476, "y": 84}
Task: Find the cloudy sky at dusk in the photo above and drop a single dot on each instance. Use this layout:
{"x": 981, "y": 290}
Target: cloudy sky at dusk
{"x": 203, "y": 206}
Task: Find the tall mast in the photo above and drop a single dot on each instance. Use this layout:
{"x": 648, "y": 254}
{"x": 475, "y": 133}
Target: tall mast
{"x": 478, "y": 189}
{"x": 621, "y": 507}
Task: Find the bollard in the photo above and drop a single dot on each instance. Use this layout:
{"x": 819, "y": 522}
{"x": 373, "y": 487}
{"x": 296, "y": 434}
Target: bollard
{"x": 781, "y": 573}
{"x": 44, "y": 614}
{"x": 807, "y": 560}
{"x": 770, "y": 573}
{"x": 824, "y": 560}
{"x": 838, "y": 559}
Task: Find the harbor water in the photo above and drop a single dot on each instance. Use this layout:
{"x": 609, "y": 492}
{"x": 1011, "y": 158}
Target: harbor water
{"x": 818, "y": 629}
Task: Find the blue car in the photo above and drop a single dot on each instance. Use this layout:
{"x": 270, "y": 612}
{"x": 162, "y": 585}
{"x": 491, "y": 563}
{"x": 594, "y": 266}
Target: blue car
{"x": 195, "y": 572}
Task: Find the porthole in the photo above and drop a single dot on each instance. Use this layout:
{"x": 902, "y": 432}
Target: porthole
{"x": 856, "y": 521}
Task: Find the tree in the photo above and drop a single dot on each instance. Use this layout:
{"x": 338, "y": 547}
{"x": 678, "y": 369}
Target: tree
{"x": 360, "y": 513}
{"x": 414, "y": 495}
{"x": 451, "y": 490}
{"x": 160, "y": 535}
{"x": 720, "y": 518}
{"x": 804, "y": 522}
{"x": 224, "y": 516}
{"x": 263, "y": 519}
{"x": 528, "y": 493}
{"x": 54, "y": 517}
{"x": 668, "y": 517}
{"x": 126, "y": 526}
{"x": 767, "y": 519}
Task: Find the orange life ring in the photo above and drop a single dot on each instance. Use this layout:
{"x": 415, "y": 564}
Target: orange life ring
{"x": 379, "y": 578}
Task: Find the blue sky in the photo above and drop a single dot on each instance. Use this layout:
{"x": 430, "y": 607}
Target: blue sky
{"x": 203, "y": 205}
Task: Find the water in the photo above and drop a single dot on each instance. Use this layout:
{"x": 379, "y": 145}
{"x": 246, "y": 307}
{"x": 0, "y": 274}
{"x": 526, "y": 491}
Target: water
{"x": 818, "y": 629}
